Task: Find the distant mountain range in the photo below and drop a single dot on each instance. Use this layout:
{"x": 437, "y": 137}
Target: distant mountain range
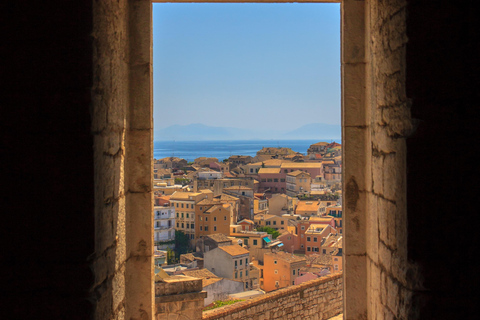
{"x": 199, "y": 131}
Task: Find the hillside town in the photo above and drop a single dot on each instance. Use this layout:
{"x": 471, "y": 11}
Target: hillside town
{"x": 247, "y": 225}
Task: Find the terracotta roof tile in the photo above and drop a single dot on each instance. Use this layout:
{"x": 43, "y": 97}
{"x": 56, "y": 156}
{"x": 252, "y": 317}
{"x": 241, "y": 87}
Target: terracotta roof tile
{"x": 234, "y": 250}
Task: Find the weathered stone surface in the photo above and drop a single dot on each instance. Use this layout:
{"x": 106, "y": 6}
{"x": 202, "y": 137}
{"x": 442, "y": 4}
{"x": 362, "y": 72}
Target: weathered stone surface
{"x": 322, "y": 299}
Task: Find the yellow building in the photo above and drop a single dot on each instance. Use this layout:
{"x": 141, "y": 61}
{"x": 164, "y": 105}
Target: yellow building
{"x": 298, "y": 182}
{"x": 272, "y": 221}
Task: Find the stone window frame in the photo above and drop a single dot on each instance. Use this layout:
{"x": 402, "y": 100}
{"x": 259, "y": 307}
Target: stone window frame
{"x": 123, "y": 152}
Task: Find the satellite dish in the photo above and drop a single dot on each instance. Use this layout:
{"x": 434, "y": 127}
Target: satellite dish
{"x": 239, "y": 242}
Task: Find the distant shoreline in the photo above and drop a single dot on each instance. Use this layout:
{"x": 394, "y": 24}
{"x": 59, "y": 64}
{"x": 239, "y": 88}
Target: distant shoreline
{"x": 223, "y": 149}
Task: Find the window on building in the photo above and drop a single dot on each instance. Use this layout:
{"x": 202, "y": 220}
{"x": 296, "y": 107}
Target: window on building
{"x": 178, "y": 225}
{"x": 276, "y": 271}
{"x": 206, "y": 228}
{"x": 183, "y": 225}
{"x": 188, "y": 226}
{"x": 193, "y": 226}
{"x": 187, "y": 215}
{"x": 178, "y": 214}
{"x": 225, "y": 218}
{"x": 282, "y": 222}
{"x": 236, "y": 275}
{"x": 241, "y": 274}
{"x": 206, "y": 218}
{"x": 274, "y": 222}
{"x": 236, "y": 263}
{"x": 302, "y": 227}
{"x": 201, "y": 228}
{"x": 293, "y": 271}
{"x": 308, "y": 249}
{"x": 314, "y": 239}
{"x": 275, "y": 261}
{"x": 214, "y": 228}
{"x": 182, "y": 214}
{"x": 254, "y": 242}
{"x": 182, "y": 205}
{"x": 308, "y": 238}
{"x": 214, "y": 218}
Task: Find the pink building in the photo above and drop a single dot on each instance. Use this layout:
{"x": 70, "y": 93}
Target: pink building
{"x": 313, "y": 168}
{"x": 291, "y": 242}
{"x": 272, "y": 179}
{"x": 305, "y": 277}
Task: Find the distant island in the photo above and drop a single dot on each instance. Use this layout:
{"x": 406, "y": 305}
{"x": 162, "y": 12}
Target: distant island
{"x": 197, "y": 131}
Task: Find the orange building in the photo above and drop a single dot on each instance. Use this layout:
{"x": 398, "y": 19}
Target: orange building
{"x": 280, "y": 269}
{"x": 314, "y": 235}
{"x": 212, "y": 217}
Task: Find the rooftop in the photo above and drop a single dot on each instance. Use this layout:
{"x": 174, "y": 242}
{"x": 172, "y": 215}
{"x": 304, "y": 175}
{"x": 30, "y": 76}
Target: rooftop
{"x": 268, "y": 170}
{"x": 234, "y": 250}
{"x": 294, "y": 165}
{"x": 286, "y": 256}
{"x": 218, "y": 237}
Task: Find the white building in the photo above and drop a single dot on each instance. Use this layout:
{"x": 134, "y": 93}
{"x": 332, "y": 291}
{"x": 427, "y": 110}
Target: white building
{"x": 209, "y": 175}
{"x": 163, "y": 225}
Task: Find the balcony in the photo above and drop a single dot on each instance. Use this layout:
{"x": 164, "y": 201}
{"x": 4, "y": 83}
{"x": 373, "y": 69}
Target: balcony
{"x": 164, "y": 216}
{"x": 163, "y": 227}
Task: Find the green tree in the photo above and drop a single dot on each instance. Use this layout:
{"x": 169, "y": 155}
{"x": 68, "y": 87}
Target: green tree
{"x": 171, "y": 256}
{"x": 269, "y": 230}
{"x": 181, "y": 243}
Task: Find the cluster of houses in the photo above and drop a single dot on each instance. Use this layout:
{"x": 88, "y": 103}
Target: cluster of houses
{"x": 228, "y": 211}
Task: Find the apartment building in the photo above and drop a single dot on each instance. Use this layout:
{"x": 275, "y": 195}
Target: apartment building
{"x": 231, "y": 262}
{"x": 185, "y": 203}
{"x": 280, "y": 269}
{"x": 314, "y": 236}
{"x": 163, "y": 224}
{"x": 298, "y": 182}
{"x": 212, "y": 217}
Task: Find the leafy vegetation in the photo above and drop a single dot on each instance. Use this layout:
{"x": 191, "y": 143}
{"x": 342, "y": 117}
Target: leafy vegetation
{"x": 181, "y": 243}
{"x": 182, "y": 181}
{"x": 171, "y": 256}
{"x": 220, "y": 303}
{"x": 269, "y": 230}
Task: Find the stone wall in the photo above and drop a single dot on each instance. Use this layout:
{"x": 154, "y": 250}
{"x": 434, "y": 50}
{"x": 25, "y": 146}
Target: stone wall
{"x": 321, "y": 298}
{"x": 179, "y": 297}
{"x": 123, "y": 156}
{"x": 391, "y": 278}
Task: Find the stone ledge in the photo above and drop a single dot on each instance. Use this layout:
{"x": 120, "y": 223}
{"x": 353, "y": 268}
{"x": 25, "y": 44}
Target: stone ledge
{"x": 270, "y": 297}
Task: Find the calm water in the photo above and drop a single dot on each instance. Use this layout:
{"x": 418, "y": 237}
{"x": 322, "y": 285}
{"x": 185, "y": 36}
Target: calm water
{"x": 190, "y": 150}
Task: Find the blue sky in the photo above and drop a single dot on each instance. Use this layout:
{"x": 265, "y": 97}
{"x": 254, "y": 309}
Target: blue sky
{"x": 246, "y": 65}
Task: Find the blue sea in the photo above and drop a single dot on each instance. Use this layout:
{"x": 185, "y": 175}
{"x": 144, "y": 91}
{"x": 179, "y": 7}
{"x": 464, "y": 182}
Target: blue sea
{"x": 221, "y": 149}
